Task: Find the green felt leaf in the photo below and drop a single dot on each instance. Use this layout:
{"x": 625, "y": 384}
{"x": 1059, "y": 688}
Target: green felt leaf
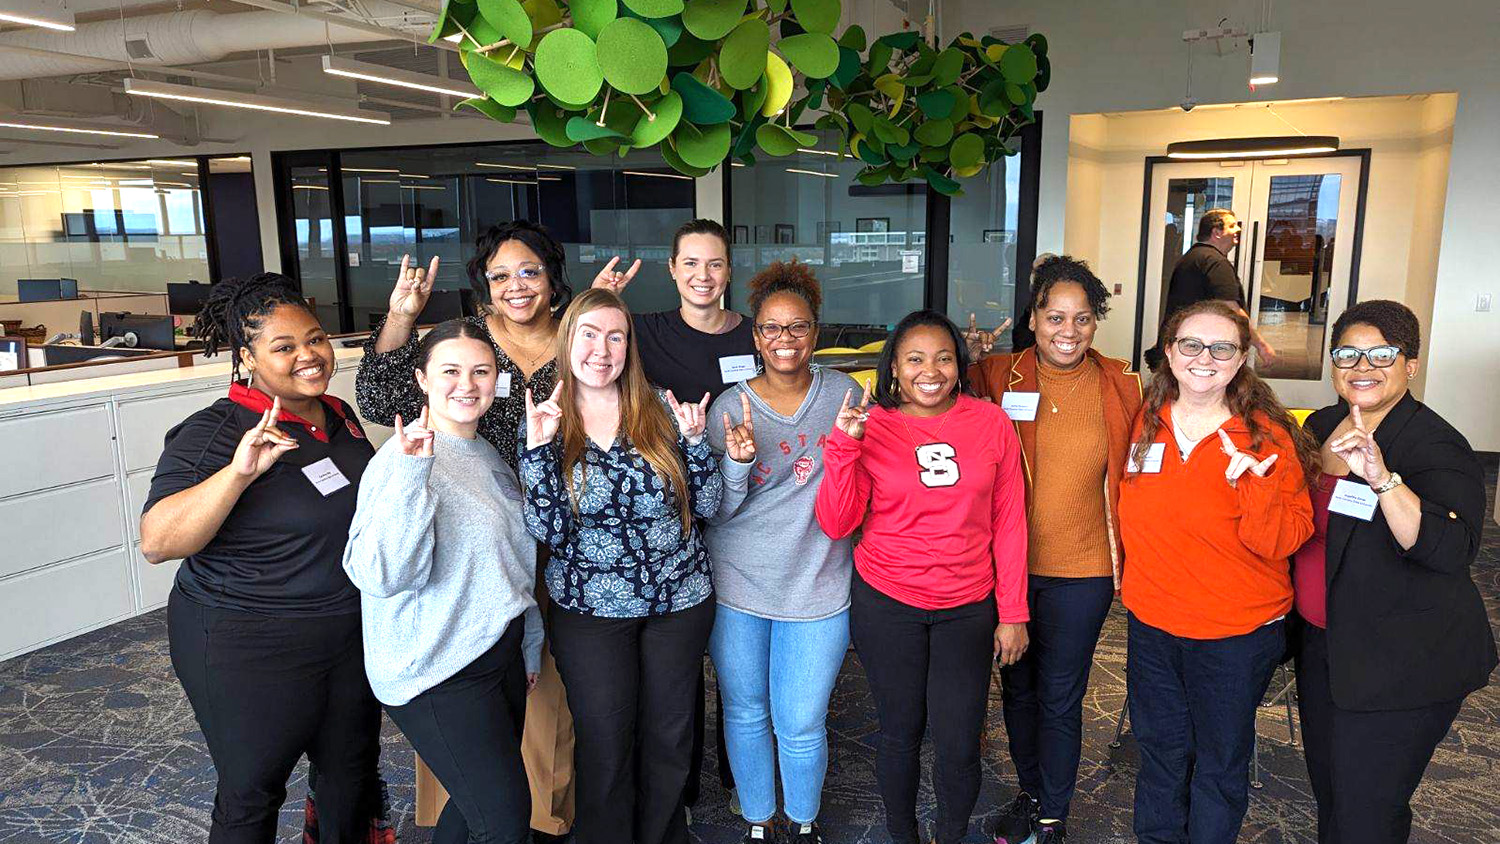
{"x": 934, "y": 133}
{"x": 632, "y": 56}
{"x": 1043, "y": 73}
{"x": 669, "y": 154}
{"x": 903, "y": 152}
{"x": 567, "y": 65}
{"x": 446, "y": 25}
{"x": 667, "y": 111}
{"x": 482, "y": 31}
{"x": 655, "y": 8}
{"x": 818, "y": 15}
{"x": 936, "y": 104}
{"x": 689, "y": 51}
{"x": 1015, "y": 93}
{"x": 744, "y": 142}
{"x": 590, "y": 16}
{"x": 742, "y": 60}
{"x": 752, "y": 100}
{"x": 489, "y": 108}
{"x": 872, "y": 176}
{"x": 502, "y": 83}
{"x": 902, "y": 40}
{"x": 509, "y": 19}
{"x": 861, "y": 116}
{"x": 776, "y": 6}
{"x": 815, "y": 91}
{"x": 948, "y": 65}
{"x": 1038, "y": 43}
{"x": 813, "y": 53}
{"x": 702, "y": 146}
{"x": 602, "y": 146}
{"x": 934, "y": 154}
{"x": 711, "y": 20}
{"x": 992, "y": 99}
{"x": 869, "y": 152}
{"x": 833, "y": 121}
{"x": 550, "y": 123}
{"x": 854, "y": 38}
{"x": 543, "y": 13}
{"x": 848, "y": 68}
{"x": 942, "y": 184}
{"x": 775, "y": 140}
{"x": 967, "y": 150}
{"x": 917, "y": 80}
{"x": 960, "y": 103}
{"x": 669, "y": 28}
{"x": 701, "y": 104}
{"x": 1018, "y": 64}
{"x": 894, "y": 134}
{"x": 880, "y": 58}
{"x": 582, "y": 129}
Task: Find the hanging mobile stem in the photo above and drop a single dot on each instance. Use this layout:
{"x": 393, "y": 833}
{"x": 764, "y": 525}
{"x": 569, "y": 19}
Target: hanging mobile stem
{"x": 650, "y": 118}
{"x": 603, "y": 109}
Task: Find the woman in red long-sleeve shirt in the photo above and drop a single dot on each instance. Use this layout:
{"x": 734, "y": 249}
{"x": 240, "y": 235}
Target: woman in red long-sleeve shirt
{"x": 934, "y": 477}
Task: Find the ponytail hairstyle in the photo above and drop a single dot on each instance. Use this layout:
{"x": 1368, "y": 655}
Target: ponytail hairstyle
{"x": 702, "y": 225}
{"x": 236, "y": 308}
{"x": 1248, "y": 397}
{"x": 644, "y": 420}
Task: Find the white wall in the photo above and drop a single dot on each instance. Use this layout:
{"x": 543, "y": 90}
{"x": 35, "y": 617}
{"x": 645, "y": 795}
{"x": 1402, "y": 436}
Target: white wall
{"x": 1125, "y": 55}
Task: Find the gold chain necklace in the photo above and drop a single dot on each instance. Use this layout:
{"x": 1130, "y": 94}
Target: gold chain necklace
{"x": 531, "y": 361}
{"x": 935, "y": 434}
{"x": 1076, "y": 382}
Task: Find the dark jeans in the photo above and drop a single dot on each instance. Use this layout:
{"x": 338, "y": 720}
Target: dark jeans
{"x": 925, "y": 667}
{"x": 468, "y": 731}
{"x": 1192, "y": 706}
{"x": 1363, "y": 766}
{"x": 1043, "y": 693}
{"x": 265, "y": 691}
{"x": 632, "y": 686}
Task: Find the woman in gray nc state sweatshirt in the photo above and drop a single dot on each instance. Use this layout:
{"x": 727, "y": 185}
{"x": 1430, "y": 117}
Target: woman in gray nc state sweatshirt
{"x": 782, "y": 627}
{"x": 440, "y": 552}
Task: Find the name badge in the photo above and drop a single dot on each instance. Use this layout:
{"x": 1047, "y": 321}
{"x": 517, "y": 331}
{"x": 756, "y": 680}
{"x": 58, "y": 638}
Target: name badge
{"x": 737, "y": 368}
{"x": 509, "y": 486}
{"x": 502, "y": 386}
{"x": 1152, "y": 464}
{"x": 325, "y": 476}
{"x": 1020, "y": 407}
{"x": 1352, "y": 499}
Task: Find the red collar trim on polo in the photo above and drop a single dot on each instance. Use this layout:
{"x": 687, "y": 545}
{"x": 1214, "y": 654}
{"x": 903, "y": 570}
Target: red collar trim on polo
{"x": 257, "y": 401}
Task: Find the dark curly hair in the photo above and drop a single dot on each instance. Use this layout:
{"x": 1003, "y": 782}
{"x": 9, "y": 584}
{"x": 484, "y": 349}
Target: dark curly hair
{"x": 885, "y": 382}
{"x": 538, "y": 240}
{"x": 792, "y": 277}
{"x": 236, "y": 308}
{"x": 1395, "y": 322}
{"x": 1065, "y": 268}
{"x": 702, "y": 225}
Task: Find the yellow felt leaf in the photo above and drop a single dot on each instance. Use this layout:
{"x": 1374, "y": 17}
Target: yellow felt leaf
{"x": 779, "y": 85}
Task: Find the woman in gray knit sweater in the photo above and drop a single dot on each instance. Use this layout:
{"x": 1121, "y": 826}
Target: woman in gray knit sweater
{"x": 452, "y": 634}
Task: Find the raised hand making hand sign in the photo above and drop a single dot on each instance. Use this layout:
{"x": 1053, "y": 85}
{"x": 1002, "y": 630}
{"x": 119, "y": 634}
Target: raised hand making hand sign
{"x": 614, "y": 281}
{"x": 262, "y": 445}
{"x": 739, "y": 440}
{"x": 542, "y": 419}
{"x": 413, "y": 287}
{"x": 852, "y": 418}
{"x": 692, "y": 418}
{"x": 1359, "y": 452}
{"x": 416, "y": 440}
{"x": 980, "y": 342}
{"x": 1240, "y": 461}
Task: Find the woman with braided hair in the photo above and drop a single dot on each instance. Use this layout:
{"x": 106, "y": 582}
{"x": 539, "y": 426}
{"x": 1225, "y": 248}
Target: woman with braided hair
{"x": 255, "y": 494}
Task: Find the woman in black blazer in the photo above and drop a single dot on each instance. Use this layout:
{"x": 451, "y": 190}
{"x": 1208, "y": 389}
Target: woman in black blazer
{"x": 1397, "y": 634}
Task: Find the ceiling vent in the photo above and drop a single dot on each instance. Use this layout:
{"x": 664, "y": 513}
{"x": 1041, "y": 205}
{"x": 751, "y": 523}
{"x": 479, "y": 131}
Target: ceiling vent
{"x": 139, "y": 49}
{"x": 1013, "y": 34}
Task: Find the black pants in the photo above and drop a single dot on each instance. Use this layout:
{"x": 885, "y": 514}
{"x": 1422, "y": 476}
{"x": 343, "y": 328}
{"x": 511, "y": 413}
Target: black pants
{"x": 468, "y": 731}
{"x": 1363, "y": 766}
{"x": 267, "y": 690}
{"x": 632, "y": 687}
{"x": 925, "y": 667}
{"x": 700, "y": 719}
{"x": 1043, "y": 692}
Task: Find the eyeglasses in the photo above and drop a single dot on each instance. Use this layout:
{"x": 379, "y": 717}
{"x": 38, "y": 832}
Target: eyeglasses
{"x": 1380, "y": 357}
{"x": 771, "y": 331}
{"x": 1193, "y": 347}
{"x": 527, "y": 272}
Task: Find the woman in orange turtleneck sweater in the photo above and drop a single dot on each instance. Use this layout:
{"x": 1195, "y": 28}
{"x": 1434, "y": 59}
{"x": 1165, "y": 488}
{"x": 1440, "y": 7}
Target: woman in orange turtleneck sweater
{"x": 1072, "y": 408}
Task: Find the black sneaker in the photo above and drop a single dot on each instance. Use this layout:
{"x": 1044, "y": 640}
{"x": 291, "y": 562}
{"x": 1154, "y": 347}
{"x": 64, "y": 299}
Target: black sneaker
{"x": 1016, "y": 824}
{"x": 1051, "y": 832}
{"x": 760, "y": 833}
{"x": 805, "y": 833}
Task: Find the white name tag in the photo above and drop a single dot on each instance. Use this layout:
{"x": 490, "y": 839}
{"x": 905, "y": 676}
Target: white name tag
{"x": 325, "y": 476}
{"x": 1020, "y": 406}
{"x": 1152, "y": 464}
{"x": 737, "y": 368}
{"x": 1352, "y": 499}
{"x": 502, "y": 386}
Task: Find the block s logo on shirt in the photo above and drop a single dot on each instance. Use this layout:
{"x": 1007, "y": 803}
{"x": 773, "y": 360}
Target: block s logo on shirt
{"x": 939, "y": 469}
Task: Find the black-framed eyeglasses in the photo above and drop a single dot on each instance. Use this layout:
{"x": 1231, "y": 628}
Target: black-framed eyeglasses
{"x": 771, "y": 331}
{"x": 1380, "y": 357}
{"x": 1193, "y": 347}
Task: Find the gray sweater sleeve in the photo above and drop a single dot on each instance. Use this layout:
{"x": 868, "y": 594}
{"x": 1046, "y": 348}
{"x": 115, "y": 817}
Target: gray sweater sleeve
{"x": 531, "y": 640}
{"x": 736, "y": 475}
{"x": 390, "y": 545}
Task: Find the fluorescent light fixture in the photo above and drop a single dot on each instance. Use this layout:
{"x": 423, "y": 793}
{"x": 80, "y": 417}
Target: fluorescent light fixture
{"x": 817, "y": 151}
{"x": 1265, "y": 58}
{"x": 61, "y": 23}
{"x": 510, "y": 181}
{"x": 413, "y": 176}
{"x": 365, "y": 181}
{"x": 308, "y": 187}
{"x": 736, "y": 164}
{"x": 657, "y": 175}
{"x": 257, "y": 102}
{"x": 549, "y": 178}
{"x": 173, "y": 184}
{"x": 340, "y": 66}
{"x": 506, "y": 166}
{"x": 557, "y": 167}
{"x": 812, "y": 173}
{"x": 1272, "y": 147}
{"x": 360, "y": 170}
{"x": 48, "y": 124}
{"x": 423, "y": 187}
{"x": 171, "y": 162}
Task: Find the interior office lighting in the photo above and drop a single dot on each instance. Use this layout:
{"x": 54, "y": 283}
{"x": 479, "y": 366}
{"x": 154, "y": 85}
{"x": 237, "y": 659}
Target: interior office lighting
{"x": 506, "y": 166}
{"x": 15, "y": 121}
{"x": 361, "y": 170}
{"x": 61, "y": 23}
{"x": 423, "y": 187}
{"x": 510, "y": 181}
{"x": 1265, "y": 58}
{"x": 812, "y": 173}
{"x": 557, "y": 166}
{"x": 657, "y": 175}
{"x": 308, "y": 187}
{"x": 1273, "y": 147}
{"x": 340, "y": 66}
{"x": 257, "y": 102}
{"x": 817, "y": 151}
{"x": 171, "y": 162}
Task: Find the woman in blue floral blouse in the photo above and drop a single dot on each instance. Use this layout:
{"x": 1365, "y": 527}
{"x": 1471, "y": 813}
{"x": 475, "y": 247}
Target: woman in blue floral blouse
{"x": 613, "y": 484}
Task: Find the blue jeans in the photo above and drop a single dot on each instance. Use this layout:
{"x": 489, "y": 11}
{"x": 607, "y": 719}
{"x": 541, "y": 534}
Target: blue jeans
{"x": 777, "y": 674}
{"x": 1043, "y": 693}
{"x": 1192, "y": 707}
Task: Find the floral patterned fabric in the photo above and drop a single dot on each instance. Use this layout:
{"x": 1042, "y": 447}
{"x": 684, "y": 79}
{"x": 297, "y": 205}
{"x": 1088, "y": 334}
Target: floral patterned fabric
{"x": 623, "y": 553}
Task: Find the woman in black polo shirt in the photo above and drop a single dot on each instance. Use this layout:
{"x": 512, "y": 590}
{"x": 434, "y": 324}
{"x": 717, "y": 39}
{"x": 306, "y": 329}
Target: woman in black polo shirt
{"x": 256, "y": 493}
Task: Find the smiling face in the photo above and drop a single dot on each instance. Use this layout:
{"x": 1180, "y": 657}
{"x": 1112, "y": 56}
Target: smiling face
{"x": 786, "y": 354}
{"x": 926, "y": 368}
{"x": 1369, "y": 387}
{"x": 520, "y": 290}
{"x": 290, "y": 357}
{"x": 1202, "y": 374}
{"x": 1064, "y": 325}
{"x": 701, "y": 269}
{"x": 459, "y": 381}
{"x": 598, "y": 347}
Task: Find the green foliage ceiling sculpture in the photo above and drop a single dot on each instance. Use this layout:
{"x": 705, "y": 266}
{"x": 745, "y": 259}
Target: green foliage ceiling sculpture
{"x": 705, "y": 81}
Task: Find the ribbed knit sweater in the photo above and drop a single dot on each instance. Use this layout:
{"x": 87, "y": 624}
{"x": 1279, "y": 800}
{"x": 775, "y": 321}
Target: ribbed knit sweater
{"x": 1068, "y": 527}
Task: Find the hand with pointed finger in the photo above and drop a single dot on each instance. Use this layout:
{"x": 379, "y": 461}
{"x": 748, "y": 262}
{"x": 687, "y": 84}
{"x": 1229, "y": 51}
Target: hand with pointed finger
{"x": 692, "y": 417}
{"x": 1242, "y": 461}
{"x": 416, "y": 440}
{"x": 542, "y": 419}
{"x": 614, "y": 281}
{"x": 262, "y": 445}
{"x": 739, "y": 440}
{"x": 413, "y": 287}
{"x": 1359, "y": 451}
{"x": 981, "y": 342}
{"x": 852, "y": 418}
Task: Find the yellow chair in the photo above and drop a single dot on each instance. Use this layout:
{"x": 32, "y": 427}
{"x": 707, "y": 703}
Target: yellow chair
{"x": 837, "y": 350}
{"x": 873, "y": 346}
{"x": 866, "y": 379}
{"x": 1300, "y": 414}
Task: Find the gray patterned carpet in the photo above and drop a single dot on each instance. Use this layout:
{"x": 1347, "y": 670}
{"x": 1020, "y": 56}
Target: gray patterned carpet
{"x": 97, "y": 744}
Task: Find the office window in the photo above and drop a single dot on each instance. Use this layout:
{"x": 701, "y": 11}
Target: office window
{"x": 984, "y": 229}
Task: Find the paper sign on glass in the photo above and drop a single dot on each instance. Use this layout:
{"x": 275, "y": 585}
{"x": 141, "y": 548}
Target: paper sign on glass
{"x": 737, "y": 368}
{"x": 1020, "y": 407}
{"x": 325, "y": 476}
{"x": 1152, "y": 464}
{"x": 1354, "y": 499}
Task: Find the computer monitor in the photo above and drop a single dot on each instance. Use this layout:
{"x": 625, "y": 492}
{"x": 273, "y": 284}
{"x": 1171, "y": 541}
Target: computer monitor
{"x": 46, "y": 289}
{"x": 151, "y": 332}
{"x": 186, "y": 299}
{"x": 443, "y": 305}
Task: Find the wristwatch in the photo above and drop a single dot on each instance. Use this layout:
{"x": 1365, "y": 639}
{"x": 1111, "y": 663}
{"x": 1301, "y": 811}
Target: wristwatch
{"x": 1391, "y": 483}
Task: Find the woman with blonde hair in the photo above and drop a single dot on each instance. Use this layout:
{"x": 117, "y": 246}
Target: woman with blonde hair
{"x": 613, "y": 484}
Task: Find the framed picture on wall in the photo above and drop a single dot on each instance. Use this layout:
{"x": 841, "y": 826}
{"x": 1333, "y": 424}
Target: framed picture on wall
{"x": 786, "y": 233}
{"x": 994, "y": 235}
{"x": 13, "y": 354}
{"x": 762, "y": 234}
{"x": 741, "y": 234}
{"x": 872, "y": 224}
